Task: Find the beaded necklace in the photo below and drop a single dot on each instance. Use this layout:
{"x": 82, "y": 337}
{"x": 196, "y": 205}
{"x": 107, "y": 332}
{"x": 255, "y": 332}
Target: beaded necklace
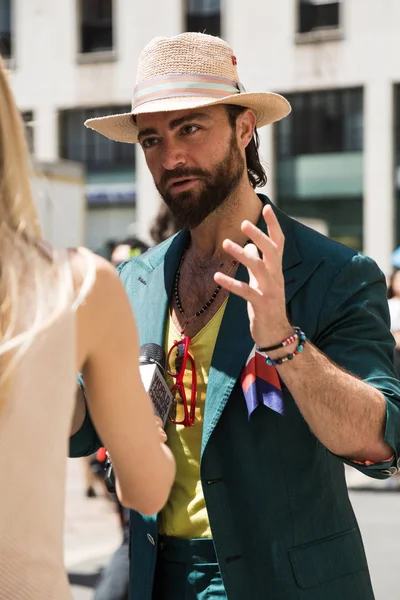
{"x": 205, "y": 306}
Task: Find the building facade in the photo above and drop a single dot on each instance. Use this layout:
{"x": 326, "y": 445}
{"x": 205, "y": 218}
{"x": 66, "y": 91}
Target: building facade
{"x": 334, "y": 162}
{"x": 335, "y": 157}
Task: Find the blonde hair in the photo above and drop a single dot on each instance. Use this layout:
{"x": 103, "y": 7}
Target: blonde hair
{"x": 29, "y": 296}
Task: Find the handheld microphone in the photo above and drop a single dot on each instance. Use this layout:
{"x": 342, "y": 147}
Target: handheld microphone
{"x": 152, "y": 361}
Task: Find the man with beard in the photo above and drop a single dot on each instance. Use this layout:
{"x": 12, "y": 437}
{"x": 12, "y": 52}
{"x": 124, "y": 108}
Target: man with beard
{"x": 279, "y": 353}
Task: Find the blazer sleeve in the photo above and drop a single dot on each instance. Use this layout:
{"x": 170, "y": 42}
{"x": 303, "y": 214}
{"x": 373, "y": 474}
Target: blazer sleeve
{"x": 354, "y": 333}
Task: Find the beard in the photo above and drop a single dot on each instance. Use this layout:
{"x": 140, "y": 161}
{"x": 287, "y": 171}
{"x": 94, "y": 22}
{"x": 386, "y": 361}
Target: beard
{"x": 190, "y": 208}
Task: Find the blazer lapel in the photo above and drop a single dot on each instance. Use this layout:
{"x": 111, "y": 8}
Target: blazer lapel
{"x": 296, "y": 271}
{"x": 234, "y": 342}
{"x": 232, "y": 348}
{"x": 150, "y": 285}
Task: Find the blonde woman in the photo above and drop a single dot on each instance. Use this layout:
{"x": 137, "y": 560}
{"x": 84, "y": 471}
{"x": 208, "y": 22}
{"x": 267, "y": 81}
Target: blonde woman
{"x": 56, "y": 319}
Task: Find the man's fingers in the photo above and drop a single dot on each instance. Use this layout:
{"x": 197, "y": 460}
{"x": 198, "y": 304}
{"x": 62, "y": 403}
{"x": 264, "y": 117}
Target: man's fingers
{"x": 260, "y": 239}
{"x": 248, "y": 256}
{"x": 252, "y": 251}
{"x": 163, "y": 435}
{"x": 274, "y": 229}
{"x": 269, "y": 245}
{"x": 237, "y": 287}
{"x": 161, "y": 432}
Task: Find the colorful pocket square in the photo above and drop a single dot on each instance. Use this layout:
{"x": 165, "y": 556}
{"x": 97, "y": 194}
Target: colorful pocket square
{"x": 261, "y": 384}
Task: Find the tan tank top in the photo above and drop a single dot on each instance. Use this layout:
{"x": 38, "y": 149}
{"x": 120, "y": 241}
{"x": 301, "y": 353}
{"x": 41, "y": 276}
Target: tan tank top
{"x": 34, "y": 431}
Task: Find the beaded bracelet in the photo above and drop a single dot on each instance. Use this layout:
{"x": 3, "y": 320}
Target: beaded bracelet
{"x": 289, "y": 340}
{"x": 299, "y": 348}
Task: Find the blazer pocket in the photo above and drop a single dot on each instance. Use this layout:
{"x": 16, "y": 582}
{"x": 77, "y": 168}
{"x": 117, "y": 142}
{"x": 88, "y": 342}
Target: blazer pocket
{"x": 328, "y": 559}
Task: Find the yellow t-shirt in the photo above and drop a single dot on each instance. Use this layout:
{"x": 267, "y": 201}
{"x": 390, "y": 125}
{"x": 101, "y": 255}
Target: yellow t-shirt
{"x": 185, "y": 514}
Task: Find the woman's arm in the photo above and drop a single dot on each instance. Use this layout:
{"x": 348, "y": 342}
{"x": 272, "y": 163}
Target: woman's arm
{"x": 122, "y": 413}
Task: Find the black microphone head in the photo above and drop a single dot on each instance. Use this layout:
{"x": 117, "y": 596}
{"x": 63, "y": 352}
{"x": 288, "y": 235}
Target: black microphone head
{"x": 153, "y": 354}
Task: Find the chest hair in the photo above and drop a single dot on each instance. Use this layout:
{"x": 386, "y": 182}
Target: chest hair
{"x": 196, "y": 286}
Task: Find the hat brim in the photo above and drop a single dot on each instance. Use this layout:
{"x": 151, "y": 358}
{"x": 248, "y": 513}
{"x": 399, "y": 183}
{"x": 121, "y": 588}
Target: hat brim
{"x": 267, "y": 106}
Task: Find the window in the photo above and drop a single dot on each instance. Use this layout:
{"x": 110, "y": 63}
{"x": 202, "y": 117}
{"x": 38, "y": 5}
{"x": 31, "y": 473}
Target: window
{"x": 319, "y": 172}
{"x": 315, "y": 15}
{"x": 397, "y": 158}
{"x": 96, "y": 26}
{"x": 85, "y": 145}
{"x": 5, "y": 29}
{"x": 27, "y": 117}
{"x": 322, "y": 122}
{"x": 203, "y": 16}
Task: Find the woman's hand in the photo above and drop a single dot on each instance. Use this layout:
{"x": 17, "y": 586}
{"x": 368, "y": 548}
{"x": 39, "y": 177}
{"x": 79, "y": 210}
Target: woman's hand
{"x": 161, "y": 432}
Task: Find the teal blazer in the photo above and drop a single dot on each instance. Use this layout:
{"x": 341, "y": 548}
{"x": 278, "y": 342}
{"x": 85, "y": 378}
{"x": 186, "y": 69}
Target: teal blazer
{"x": 282, "y": 523}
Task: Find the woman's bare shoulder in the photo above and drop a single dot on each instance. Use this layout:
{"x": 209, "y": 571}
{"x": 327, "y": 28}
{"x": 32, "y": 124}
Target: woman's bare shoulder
{"x": 100, "y": 303}
{"x": 80, "y": 257}
{"x": 88, "y": 265}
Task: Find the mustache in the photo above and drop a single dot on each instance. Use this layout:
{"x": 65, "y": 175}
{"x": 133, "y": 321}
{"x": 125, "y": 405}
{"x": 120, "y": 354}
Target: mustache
{"x": 181, "y": 173}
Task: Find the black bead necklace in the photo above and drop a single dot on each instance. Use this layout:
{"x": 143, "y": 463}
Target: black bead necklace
{"x": 205, "y": 306}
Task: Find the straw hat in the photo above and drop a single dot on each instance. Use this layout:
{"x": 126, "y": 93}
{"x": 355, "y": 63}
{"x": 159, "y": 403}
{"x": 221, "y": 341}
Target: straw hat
{"x": 184, "y": 72}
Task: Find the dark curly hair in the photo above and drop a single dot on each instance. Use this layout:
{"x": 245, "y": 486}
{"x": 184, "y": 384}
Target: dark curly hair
{"x": 163, "y": 225}
{"x": 255, "y": 170}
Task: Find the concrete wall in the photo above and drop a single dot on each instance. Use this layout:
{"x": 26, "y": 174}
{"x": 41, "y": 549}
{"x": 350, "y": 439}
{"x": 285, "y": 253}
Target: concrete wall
{"x": 59, "y": 193}
{"x": 108, "y": 223}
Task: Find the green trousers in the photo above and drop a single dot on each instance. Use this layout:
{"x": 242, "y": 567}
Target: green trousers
{"x": 187, "y": 570}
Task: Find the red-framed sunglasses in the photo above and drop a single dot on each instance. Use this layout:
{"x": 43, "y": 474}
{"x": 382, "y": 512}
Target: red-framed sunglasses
{"x": 182, "y": 412}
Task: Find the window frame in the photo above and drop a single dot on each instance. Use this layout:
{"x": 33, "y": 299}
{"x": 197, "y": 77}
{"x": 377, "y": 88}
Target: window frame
{"x": 187, "y": 26}
{"x": 343, "y": 98}
{"x": 8, "y": 57}
{"x": 318, "y": 34}
{"x": 95, "y": 55}
{"x": 29, "y": 119}
{"x": 93, "y": 144}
